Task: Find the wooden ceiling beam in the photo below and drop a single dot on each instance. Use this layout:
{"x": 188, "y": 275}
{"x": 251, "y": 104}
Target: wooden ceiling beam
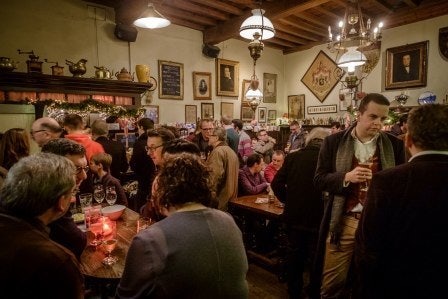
{"x": 282, "y": 42}
{"x": 410, "y": 3}
{"x": 182, "y": 22}
{"x": 291, "y": 38}
{"x": 328, "y": 13}
{"x": 222, "y": 6}
{"x": 312, "y": 19}
{"x": 384, "y": 6}
{"x": 298, "y": 23}
{"x": 296, "y": 9}
{"x": 302, "y": 33}
{"x": 202, "y": 20}
{"x": 188, "y": 6}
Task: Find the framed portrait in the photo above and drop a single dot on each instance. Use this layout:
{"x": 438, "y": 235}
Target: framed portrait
{"x": 191, "y": 114}
{"x": 262, "y": 114}
{"x": 322, "y": 76}
{"x": 202, "y": 86}
{"x": 269, "y": 88}
{"x": 323, "y": 109}
{"x": 152, "y": 112}
{"x": 227, "y": 76}
{"x": 247, "y": 114}
{"x": 296, "y": 106}
{"x": 227, "y": 109}
{"x": 406, "y": 66}
{"x": 207, "y": 111}
{"x": 272, "y": 114}
{"x": 171, "y": 80}
{"x": 443, "y": 42}
{"x": 244, "y": 87}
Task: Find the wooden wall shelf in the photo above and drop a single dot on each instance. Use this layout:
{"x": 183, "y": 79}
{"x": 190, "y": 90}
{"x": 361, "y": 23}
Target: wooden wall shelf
{"x": 15, "y": 81}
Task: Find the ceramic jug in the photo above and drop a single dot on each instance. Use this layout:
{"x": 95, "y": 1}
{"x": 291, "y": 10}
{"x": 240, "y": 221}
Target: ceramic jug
{"x": 143, "y": 73}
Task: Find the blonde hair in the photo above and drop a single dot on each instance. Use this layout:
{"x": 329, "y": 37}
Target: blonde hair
{"x": 103, "y": 159}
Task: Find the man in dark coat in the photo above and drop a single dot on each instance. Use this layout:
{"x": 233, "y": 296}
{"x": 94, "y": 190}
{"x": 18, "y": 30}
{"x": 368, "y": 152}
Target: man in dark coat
{"x": 399, "y": 250}
{"x": 114, "y": 148}
{"x": 340, "y": 175}
{"x": 293, "y": 185}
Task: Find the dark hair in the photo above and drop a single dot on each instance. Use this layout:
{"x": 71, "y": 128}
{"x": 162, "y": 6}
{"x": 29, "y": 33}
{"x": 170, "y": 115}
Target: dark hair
{"x": 146, "y": 123}
{"x": 63, "y": 147}
{"x": 178, "y": 146}
{"x": 294, "y": 123}
{"x": 428, "y": 127}
{"x": 15, "y": 144}
{"x": 403, "y": 119}
{"x": 73, "y": 122}
{"x": 335, "y": 124}
{"x": 183, "y": 178}
{"x": 165, "y": 134}
{"x": 279, "y": 153}
{"x": 173, "y": 129}
{"x": 237, "y": 123}
{"x": 262, "y": 130}
{"x": 252, "y": 159}
{"x": 373, "y": 97}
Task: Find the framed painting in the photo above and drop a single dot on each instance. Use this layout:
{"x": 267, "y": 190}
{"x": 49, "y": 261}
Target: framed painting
{"x": 262, "y": 114}
{"x": 191, "y": 114}
{"x": 171, "y": 80}
{"x": 296, "y": 106}
{"x": 244, "y": 87}
{"x": 247, "y": 114}
{"x": 227, "y": 76}
{"x": 207, "y": 111}
{"x": 202, "y": 86}
{"x": 406, "y": 66}
{"x": 323, "y": 109}
{"x": 322, "y": 76}
{"x": 272, "y": 114}
{"x": 269, "y": 88}
{"x": 227, "y": 109}
{"x": 152, "y": 112}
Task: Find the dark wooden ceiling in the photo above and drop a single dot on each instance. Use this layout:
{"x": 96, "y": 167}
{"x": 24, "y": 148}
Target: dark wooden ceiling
{"x": 299, "y": 24}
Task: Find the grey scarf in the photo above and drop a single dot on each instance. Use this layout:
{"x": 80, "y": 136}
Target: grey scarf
{"x": 344, "y": 158}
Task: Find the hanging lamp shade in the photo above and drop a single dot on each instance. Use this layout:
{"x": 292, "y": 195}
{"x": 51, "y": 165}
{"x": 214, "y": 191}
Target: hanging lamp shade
{"x": 151, "y": 19}
{"x": 257, "y": 23}
{"x": 351, "y": 59}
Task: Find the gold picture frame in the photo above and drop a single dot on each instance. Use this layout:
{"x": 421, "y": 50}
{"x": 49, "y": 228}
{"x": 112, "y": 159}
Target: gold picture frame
{"x": 406, "y": 66}
{"x": 272, "y": 114}
{"x": 296, "y": 107}
{"x": 244, "y": 87}
{"x": 262, "y": 114}
{"x": 227, "y": 109}
{"x": 191, "y": 114}
{"x": 207, "y": 111}
{"x": 227, "y": 77}
{"x": 269, "y": 88}
{"x": 202, "y": 85}
{"x": 171, "y": 80}
{"x": 247, "y": 114}
{"x": 322, "y": 76}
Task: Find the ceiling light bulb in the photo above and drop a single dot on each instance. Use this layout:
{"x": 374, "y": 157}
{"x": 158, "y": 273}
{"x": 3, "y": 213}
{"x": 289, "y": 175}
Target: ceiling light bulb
{"x": 151, "y": 19}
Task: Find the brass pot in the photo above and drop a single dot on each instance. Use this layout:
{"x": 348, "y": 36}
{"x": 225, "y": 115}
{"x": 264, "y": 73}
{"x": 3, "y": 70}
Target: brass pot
{"x": 77, "y": 69}
{"x": 7, "y": 65}
{"x": 124, "y": 75}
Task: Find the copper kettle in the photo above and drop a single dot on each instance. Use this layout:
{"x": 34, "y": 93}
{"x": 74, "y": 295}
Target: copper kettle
{"x": 124, "y": 75}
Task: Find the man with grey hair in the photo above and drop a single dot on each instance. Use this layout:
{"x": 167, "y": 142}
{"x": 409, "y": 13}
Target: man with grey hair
{"x": 37, "y": 191}
{"x": 45, "y": 129}
{"x": 293, "y": 185}
{"x": 224, "y": 166}
{"x": 64, "y": 230}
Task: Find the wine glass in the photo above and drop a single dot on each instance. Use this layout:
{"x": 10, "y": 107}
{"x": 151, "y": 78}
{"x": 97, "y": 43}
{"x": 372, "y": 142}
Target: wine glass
{"x": 97, "y": 230}
{"x": 111, "y": 195}
{"x": 110, "y": 242}
{"x": 98, "y": 193}
{"x": 85, "y": 200}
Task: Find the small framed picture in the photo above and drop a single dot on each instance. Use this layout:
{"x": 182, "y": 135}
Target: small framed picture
{"x": 202, "y": 86}
{"x": 227, "y": 77}
{"x": 152, "y": 112}
{"x": 262, "y": 114}
{"x": 296, "y": 106}
{"x": 247, "y": 114}
{"x": 207, "y": 111}
{"x": 269, "y": 88}
{"x": 406, "y": 66}
{"x": 322, "y": 109}
{"x": 191, "y": 114}
{"x": 272, "y": 114}
{"x": 227, "y": 109}
{"x": 244, "y": 87}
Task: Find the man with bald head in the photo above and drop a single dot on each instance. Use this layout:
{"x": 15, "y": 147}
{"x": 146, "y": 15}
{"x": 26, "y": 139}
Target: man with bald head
{"x": 45, "y": 129}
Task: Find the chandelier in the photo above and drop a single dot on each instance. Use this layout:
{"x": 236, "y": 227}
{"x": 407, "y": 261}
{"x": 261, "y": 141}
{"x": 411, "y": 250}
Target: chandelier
{"x": 254, "y": 94}
{"x": 354, "y": 35}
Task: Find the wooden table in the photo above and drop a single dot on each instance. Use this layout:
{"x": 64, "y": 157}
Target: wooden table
{"x": 91, "y": 259}
{"x": 246, "y": 211}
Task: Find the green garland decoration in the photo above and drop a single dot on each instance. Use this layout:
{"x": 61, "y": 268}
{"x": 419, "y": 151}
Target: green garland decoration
{"x": 92, "y": 106}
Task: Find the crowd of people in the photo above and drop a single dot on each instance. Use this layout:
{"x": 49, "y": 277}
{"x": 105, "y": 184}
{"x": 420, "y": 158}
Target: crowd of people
{"x": 363, "y": 232}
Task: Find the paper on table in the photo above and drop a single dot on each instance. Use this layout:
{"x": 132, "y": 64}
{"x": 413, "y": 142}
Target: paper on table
{"x": 261, "y": 200}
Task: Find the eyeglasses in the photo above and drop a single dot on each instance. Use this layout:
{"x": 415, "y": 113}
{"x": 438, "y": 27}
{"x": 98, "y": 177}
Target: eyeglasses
{"x": 79, "y": 169}
{"x": 207, "y": 129}
{"x": 37, "y": 131}
{"x": 152, "y": 148}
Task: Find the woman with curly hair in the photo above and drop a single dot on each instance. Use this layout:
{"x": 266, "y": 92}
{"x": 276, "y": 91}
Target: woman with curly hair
{"x": 15, "y": 144}
{"x": 195, "y": 252}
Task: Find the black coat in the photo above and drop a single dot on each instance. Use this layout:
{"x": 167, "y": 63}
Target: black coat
{"x": 142, "y": 165}
{"x": 118, "y": 152}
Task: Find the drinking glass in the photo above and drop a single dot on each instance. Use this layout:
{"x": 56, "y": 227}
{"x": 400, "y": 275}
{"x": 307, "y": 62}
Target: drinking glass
{"x": 98, "y": 193}
{"x": 364, "y": 186}
{"x": 110, "y": 241}
{"x": 85, "y": 200}
{"x": 143, "y": 223}
{"x": 111, "y": 195}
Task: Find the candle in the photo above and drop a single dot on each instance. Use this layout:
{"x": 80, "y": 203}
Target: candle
{"x": 329, "y": 33}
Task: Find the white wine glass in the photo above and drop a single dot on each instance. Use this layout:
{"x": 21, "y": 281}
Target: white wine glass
{"x": 98, "y": 193}
{"x": 110, "y": 242}
{"x": 111, "y": 195}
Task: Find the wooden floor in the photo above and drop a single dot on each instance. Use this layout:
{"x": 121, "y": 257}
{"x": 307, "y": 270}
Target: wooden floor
{"x": 264, "y": 284}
